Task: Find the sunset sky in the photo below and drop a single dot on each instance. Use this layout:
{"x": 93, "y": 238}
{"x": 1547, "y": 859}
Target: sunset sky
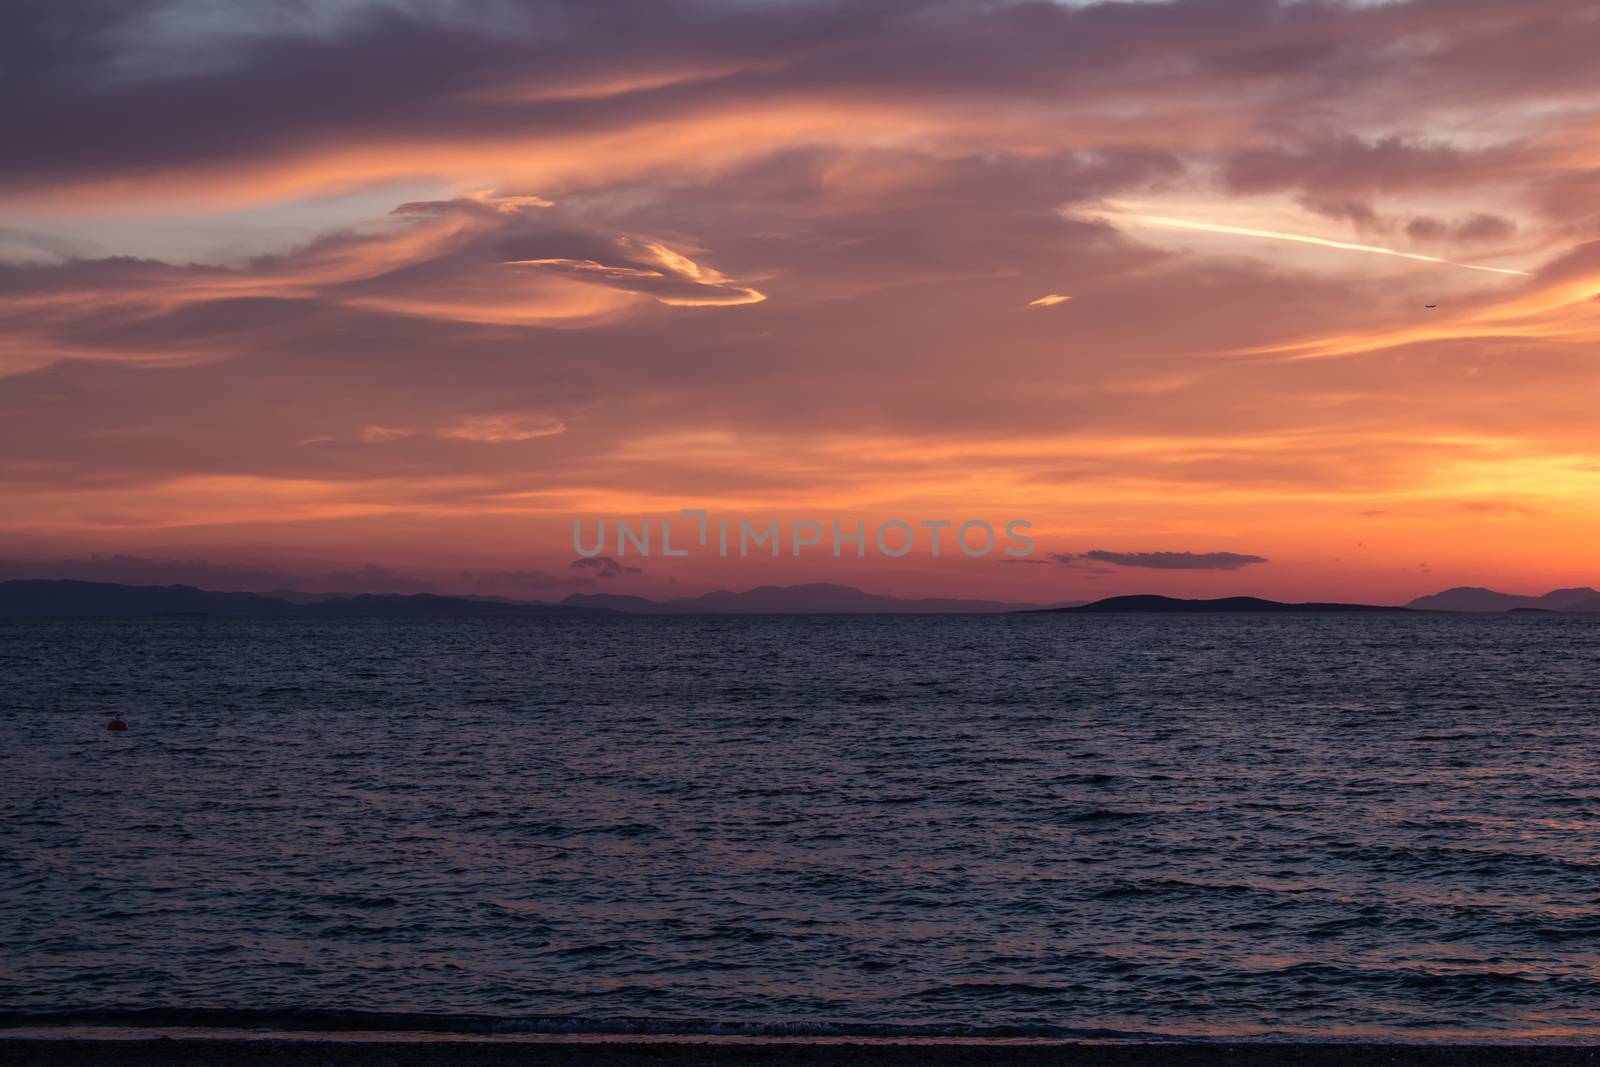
{"x": 375, "y": 295}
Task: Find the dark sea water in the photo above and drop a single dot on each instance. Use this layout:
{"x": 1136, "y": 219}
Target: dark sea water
{"x": 1288, "y": 826}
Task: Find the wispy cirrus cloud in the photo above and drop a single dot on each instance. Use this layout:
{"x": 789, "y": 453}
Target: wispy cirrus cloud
{"x": 1300, "y": 238}
{"x": 500, "y": 429}
{"x": 674, "y": 279}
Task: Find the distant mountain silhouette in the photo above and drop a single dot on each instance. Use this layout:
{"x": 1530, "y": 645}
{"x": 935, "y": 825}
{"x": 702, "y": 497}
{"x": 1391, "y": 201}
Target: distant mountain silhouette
{"x": 430, "y": 606}
{"x": 1474, "y": 598}
{"x": 614, "y": 602}
{"x": 43, "y": 598}
{"x": 816, "y": 598}
{"x": 295, "y": 596}
{"x": 1166, "y": 605}
{"x": 72, "y": 599}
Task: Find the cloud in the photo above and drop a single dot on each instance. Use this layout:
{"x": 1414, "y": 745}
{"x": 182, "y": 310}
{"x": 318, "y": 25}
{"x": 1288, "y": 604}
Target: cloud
{"x": 1358, "y": 213}
{"x": 479, "y": 429}
{"x": 1476, "y": 229}
{"x": 1081, "y": 565}
{"x": 1298, "y": 238}
{"x": 557, "y": 94}
{"x": 499, "y": 429}
{"x": 507, "y": 203}
{"x": 603, "y": 566}
{"x": 1176, "y": 561}
{"x": 1049, "y": 301}
{"x": 1351, "y": 165}
{"x": 675, "y": 279}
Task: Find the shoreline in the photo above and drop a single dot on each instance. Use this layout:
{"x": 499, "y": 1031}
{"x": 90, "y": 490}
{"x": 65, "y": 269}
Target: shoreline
{"x": 70, "y": 1046}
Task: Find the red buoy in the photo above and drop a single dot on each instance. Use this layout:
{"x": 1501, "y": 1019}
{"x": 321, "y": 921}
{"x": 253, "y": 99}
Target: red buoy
{"x": 116, "y": 725}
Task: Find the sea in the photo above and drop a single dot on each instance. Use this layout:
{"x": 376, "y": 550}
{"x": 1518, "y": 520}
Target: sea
{"x": 1201, "y": 827}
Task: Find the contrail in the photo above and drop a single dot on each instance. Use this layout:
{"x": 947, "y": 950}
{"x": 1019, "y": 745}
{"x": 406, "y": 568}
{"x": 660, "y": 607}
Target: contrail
{"x": 1244, "y": 231}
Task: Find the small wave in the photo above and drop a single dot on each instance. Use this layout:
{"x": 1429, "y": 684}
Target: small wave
{"x": 1106, "y": 815}
{"x": 1173, "y": 887}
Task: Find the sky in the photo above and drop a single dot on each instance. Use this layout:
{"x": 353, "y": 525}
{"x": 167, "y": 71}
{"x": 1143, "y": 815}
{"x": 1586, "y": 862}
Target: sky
{"x": 1291, "y": 298}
